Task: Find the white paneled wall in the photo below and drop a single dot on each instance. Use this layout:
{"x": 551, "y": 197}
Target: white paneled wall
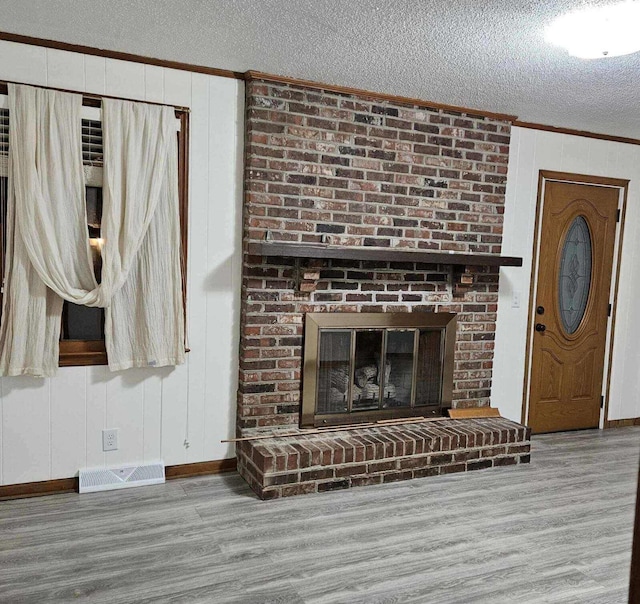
{"x": 532, "y": 151}
{"x": 49, "y": 428}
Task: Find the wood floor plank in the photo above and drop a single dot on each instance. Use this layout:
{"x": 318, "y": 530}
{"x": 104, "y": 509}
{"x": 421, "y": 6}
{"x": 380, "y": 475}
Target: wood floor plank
{"x": 555, "y": 531}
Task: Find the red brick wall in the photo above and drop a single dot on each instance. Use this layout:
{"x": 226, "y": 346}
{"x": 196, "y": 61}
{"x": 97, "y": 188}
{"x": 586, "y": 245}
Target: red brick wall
{"x": 340, "y": 169}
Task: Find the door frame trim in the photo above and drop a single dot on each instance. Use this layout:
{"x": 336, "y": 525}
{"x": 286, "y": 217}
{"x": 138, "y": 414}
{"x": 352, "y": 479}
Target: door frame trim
{"x": 623, "y": 186}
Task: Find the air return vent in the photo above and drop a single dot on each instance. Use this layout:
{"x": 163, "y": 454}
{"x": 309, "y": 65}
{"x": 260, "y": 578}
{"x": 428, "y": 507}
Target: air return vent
{"x": 107, "y": 479}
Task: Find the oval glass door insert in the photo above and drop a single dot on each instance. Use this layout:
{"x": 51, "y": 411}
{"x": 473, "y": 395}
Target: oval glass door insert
{"x": 574, "y": 279}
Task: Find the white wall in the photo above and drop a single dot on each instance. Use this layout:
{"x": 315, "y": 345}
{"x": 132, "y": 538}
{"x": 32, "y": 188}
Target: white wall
{"x": 49, "y": 428}
{"x": 532, "y": 151}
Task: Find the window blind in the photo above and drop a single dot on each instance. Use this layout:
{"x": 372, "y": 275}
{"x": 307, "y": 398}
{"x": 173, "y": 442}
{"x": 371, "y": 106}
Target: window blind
{"x": 4, "y": 142}
{"x": 4, "y": 131}
{"x": 92, "y": 146}
{"x": 92, "y": 149}
{"x": 92, "y": 153}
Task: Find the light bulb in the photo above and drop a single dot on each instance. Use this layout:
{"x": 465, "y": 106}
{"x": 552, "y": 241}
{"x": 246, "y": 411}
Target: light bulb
{"x": 595, "y": 33}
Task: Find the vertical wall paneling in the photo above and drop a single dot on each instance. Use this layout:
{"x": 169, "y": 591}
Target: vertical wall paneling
{"x": 618, "y": 163}
{"x": 549, "y": 153}
{"x": 153, "y": 84}
{"x": 65, "y": 69}
{"x": 125, "y": 411}
{"x": 26, "y": 430}
{"x": 177, "y": 87}
{"x": 221, "y": 283}
{"x": 152, "y": 417}
{"x": 599, "y": 159}
{"x": 624, "y": 400}
{"x": 51, "y": 428}
{"x": 95, "y": 74}
{"x": 175, "y": 385}
{"x": 175, "y": 393}
{"x": 96, "y": 403}
{"x": 519, "y": 218}
{"x": 604, "y": 159}
{"x": 68, "y": 421}
{"x": 228, "y": 450}
{"x": 198, "y": 246}
{"x": 124, "y": 79}
{"x": 535, "y": 151}
{"x": 23, "y": 63}
{"x": 575, "y": 154}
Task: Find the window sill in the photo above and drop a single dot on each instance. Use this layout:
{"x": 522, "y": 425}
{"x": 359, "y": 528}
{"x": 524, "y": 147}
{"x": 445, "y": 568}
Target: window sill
{"x": 79, "y": 353}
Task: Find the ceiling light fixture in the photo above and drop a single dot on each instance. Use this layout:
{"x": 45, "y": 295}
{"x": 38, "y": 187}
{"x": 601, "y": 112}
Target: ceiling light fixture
{"x": 594, "y": 33}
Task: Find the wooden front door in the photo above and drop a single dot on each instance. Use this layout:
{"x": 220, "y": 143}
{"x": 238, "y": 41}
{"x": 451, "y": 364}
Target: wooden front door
{"x": 571, "y": 305}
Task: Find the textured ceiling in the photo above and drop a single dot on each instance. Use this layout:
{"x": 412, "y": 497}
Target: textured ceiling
{"x": 485, "y": 54}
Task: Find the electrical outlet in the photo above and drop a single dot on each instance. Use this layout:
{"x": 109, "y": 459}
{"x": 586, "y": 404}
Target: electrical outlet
{"x": 110, "y": 440}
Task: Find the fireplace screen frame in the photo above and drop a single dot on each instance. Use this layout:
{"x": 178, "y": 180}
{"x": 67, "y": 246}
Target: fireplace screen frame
{"x": 445, "y": 322}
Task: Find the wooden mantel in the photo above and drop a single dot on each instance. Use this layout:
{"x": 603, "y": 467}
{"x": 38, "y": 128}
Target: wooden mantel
{"x": 305, "y": 250}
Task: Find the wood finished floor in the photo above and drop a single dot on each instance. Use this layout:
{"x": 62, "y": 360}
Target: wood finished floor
{"x": 558, "y": 530}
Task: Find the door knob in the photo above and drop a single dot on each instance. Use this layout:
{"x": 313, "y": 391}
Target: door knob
{"x": 540, "y": 310}
{"x": 540, "y": 327}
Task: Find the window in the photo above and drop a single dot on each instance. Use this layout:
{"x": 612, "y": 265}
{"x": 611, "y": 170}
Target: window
{"x": 82, "y": 329}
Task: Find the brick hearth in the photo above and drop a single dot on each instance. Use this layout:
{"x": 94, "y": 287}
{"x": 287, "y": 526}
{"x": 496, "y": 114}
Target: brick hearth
{"x": 279, "y": 467}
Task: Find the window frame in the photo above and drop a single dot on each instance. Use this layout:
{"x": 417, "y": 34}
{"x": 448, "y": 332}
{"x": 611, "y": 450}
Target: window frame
{"x": 80, "y": 353}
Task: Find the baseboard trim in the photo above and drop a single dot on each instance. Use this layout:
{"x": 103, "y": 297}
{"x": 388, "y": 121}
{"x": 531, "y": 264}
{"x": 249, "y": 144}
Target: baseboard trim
{"x": 70, "y": 485}
{"x": 37, "y": 489}
{"x": 202, "y": 468}
{"x": 622, "y": 423}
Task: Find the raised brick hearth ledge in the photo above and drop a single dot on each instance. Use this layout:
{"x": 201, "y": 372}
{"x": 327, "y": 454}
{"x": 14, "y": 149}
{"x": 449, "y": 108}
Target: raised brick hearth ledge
{"x": 309, "y": 463}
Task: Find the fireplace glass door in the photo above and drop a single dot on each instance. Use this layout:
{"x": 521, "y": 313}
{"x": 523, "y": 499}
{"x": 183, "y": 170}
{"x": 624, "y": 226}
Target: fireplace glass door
{"x": 365, "y": 371}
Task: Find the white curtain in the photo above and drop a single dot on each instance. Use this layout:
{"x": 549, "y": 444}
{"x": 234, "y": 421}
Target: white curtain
{"x": 48, "y": 253}
{"x": 144, "y": 325}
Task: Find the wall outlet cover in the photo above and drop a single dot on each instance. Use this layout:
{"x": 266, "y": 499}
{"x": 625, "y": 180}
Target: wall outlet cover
{"x": 110, "y": 440}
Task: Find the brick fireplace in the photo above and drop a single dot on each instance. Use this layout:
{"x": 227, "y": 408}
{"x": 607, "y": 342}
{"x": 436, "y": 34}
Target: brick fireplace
{"x": 351, "y": 172}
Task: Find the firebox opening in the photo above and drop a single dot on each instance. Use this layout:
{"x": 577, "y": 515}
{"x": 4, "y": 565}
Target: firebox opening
{"x": 361, "y": 367}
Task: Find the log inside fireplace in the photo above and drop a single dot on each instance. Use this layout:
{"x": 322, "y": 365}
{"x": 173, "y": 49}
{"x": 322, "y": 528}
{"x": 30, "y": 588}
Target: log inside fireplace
{"x": 362, "y": 367}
